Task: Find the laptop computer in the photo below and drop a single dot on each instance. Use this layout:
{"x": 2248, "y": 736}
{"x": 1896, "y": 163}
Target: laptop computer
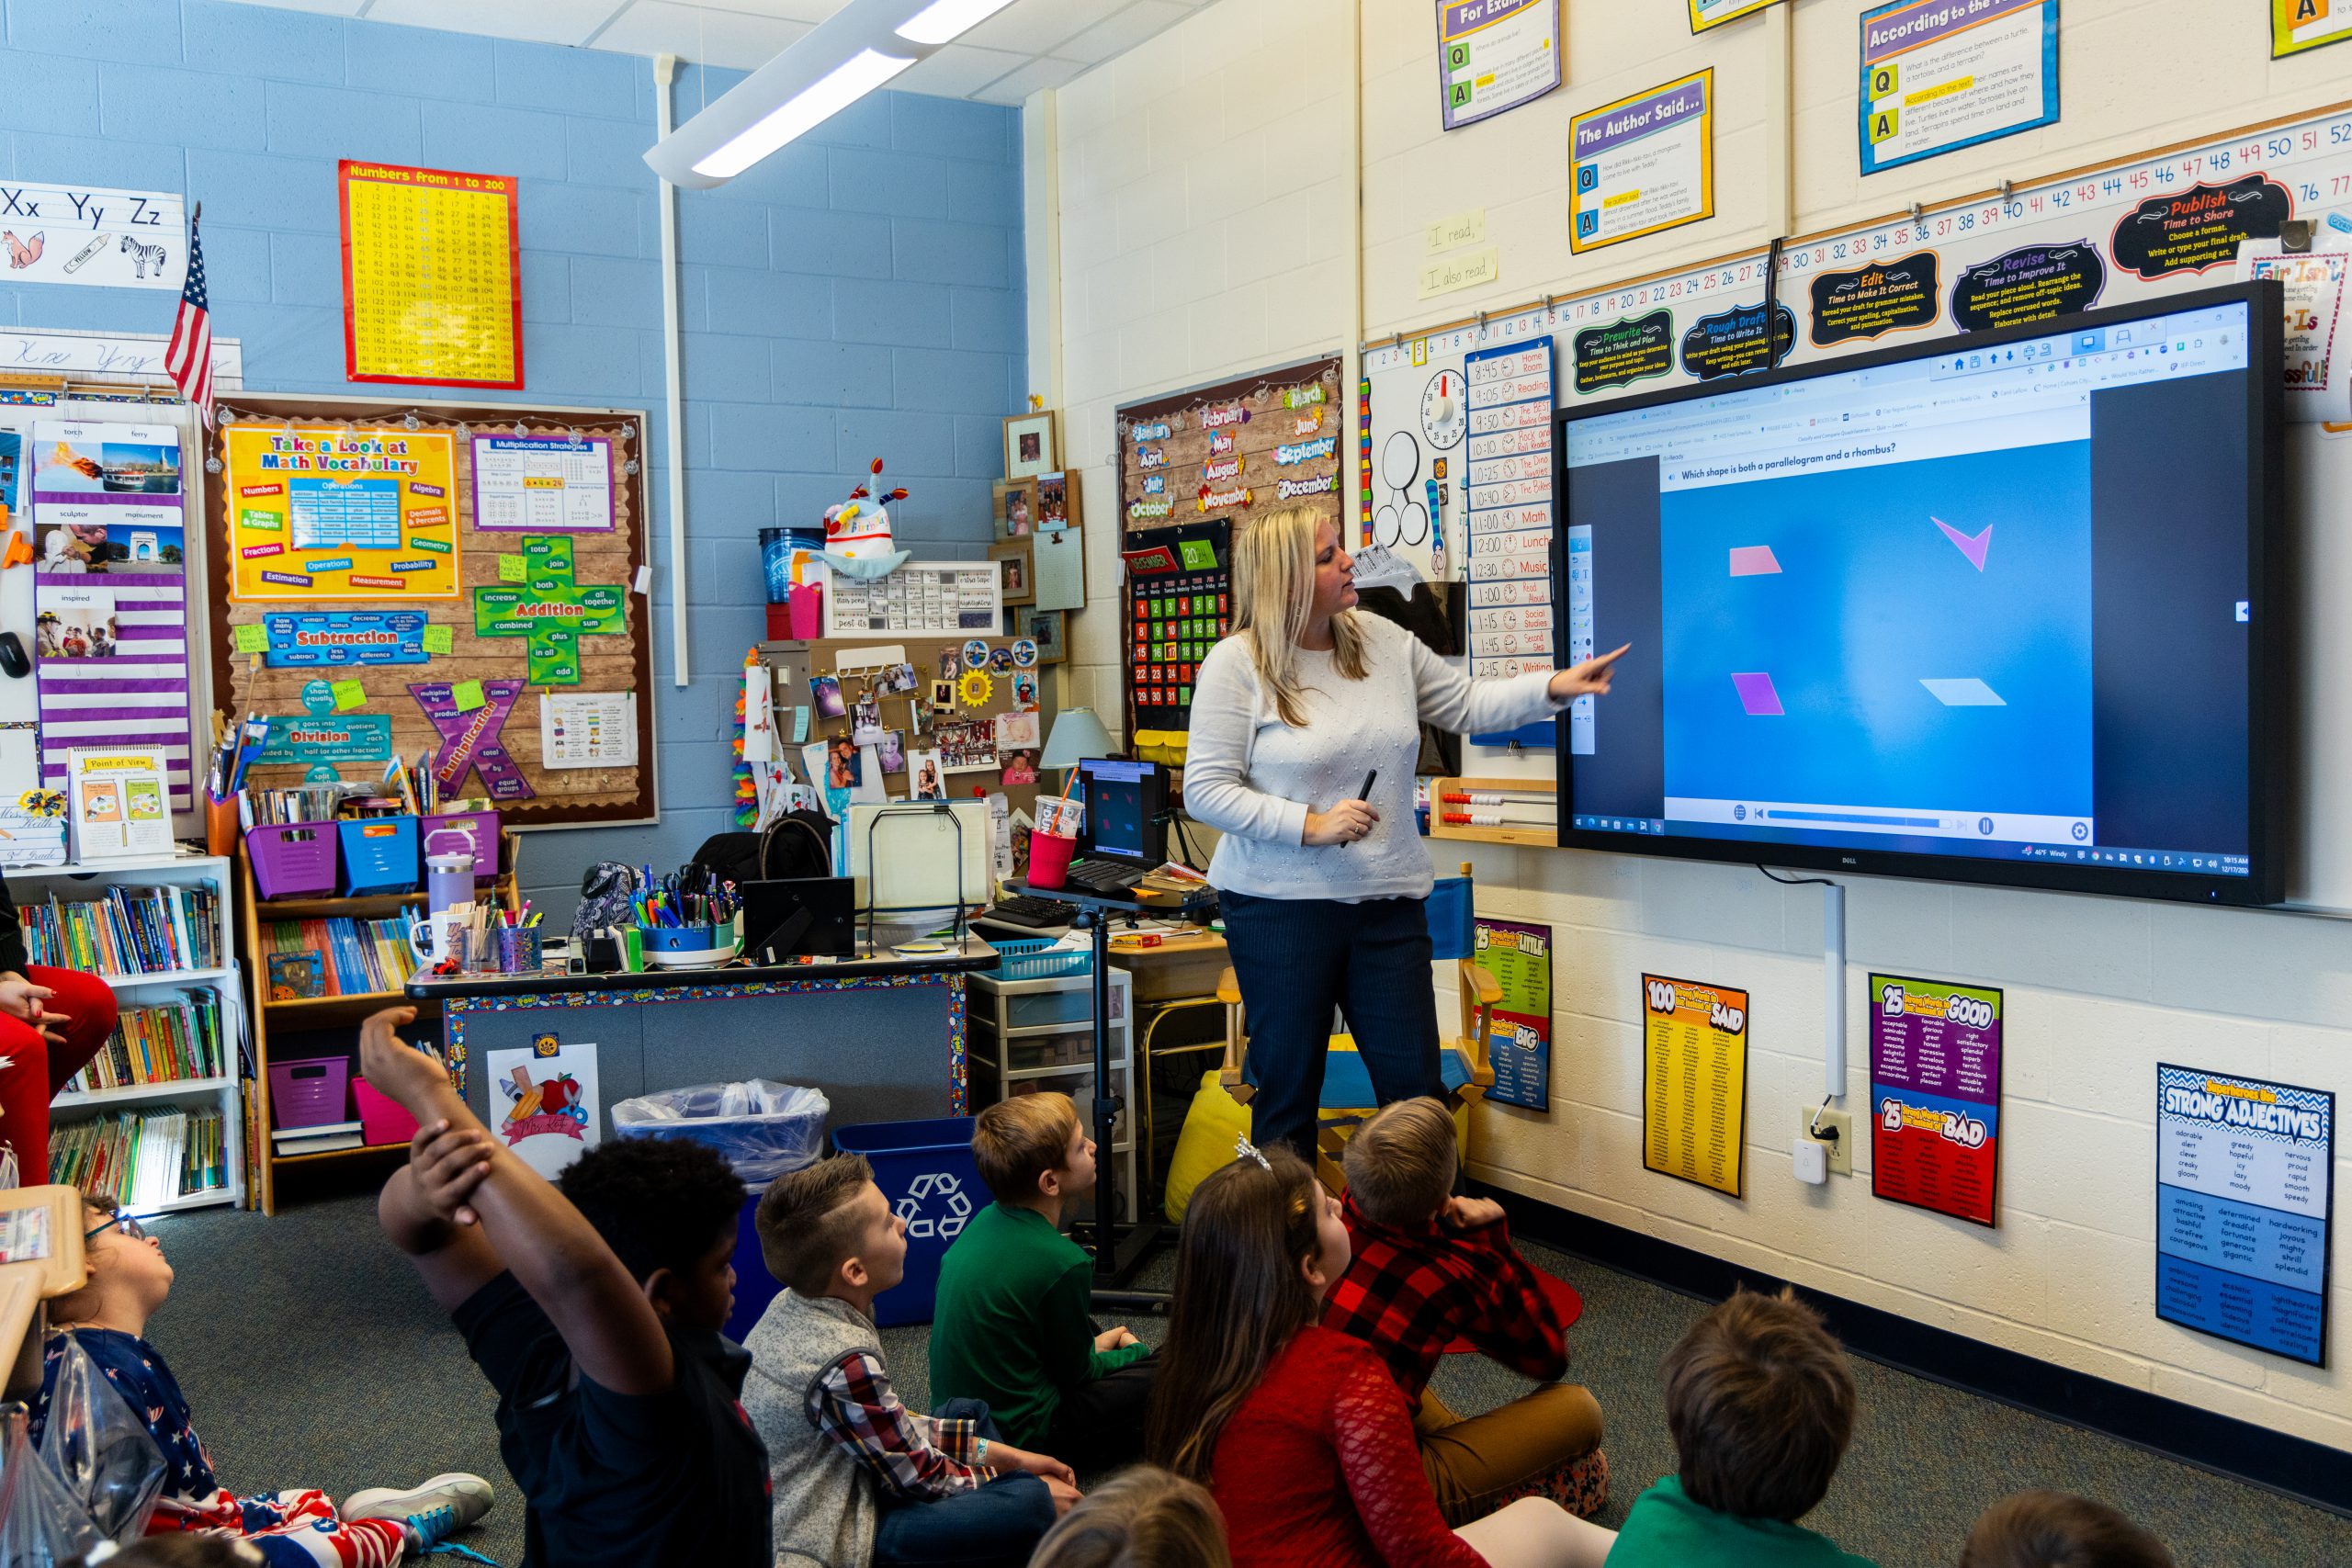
{"x": 805, "y": 916}
{"x": 1125, "y": 833}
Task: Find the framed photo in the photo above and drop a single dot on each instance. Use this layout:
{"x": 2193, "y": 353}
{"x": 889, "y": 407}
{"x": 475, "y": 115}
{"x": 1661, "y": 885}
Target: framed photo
{"x": 1015, "y": 509}
{"x": 1015, "y": 571}
{"x": 1030, "y": 448}
{"x": 1056, "y": 505}
{"x": 1047, "y": 629}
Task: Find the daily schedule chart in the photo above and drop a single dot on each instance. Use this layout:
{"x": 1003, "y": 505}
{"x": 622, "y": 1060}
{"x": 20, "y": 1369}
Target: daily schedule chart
{"x": 2245, "y": 1185}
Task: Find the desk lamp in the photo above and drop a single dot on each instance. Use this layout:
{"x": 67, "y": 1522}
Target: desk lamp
{"x": 1078, "y": 734}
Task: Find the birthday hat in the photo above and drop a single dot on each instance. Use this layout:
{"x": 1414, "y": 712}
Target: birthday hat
{"x": 857, "y": 534}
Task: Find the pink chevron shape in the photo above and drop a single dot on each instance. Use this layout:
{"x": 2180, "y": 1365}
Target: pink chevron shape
{"x": 1757, "y": 695}
{"x": 1972, "y": 548}
{"x": 1754, "y": 561}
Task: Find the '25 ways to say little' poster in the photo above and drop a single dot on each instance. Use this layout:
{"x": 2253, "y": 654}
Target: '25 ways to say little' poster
{"x": 1694, "y": 1080}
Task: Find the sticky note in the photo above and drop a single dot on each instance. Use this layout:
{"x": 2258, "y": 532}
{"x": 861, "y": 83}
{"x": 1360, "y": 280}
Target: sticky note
{"x": 349, "y": 694}
{"x": 800, "y": 724}
{"x": 467, "y": 697}
{"x": 513, "y": 568}
{"x": 645, "y": 579}
{"x": 440, "y": 639}
{"x": 253, "y": 639}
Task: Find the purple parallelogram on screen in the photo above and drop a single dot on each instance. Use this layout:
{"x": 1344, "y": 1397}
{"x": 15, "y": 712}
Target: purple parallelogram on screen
{"x": 1757, "y": 695}
{"x": 1754, "y": 561}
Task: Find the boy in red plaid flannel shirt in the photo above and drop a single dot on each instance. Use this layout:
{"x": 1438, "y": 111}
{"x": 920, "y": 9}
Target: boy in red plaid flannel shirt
{"x": 1430, "y": 1269}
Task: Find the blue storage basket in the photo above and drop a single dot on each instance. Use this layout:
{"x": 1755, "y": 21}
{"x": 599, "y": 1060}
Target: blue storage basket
{"x": 378, "y": 855}
{"x": 1034, "y": 958}
{"x": 926, "y": 1170}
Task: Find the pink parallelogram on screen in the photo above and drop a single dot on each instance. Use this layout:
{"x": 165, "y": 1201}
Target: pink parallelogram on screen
{"x": 1754, "y": 561}
{"x": 1757, "y": 695}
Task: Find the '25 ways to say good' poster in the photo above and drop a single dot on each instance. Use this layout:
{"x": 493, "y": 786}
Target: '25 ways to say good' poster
{"x": 1936, "y": 1095}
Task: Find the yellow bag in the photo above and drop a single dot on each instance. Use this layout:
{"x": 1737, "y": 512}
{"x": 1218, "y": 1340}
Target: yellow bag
{"x": 1215, "y": 1119}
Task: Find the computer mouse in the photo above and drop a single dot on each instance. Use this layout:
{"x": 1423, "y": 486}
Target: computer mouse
{"x": 12, "y": 656}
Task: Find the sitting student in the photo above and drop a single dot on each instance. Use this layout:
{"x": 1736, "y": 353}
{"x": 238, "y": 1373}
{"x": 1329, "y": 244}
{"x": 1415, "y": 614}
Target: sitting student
{"x": 1009, "y": 1326}
{"x": 2054, "y": 1530}
{"x": 594, "y": 1311}
{"x": 1761, "y": 1403}
{"x": 129, "y": 1282}
{"x": 1300, "y": 1431}
{"x": 1430, "y": 1269}
{"x": 1141, "y": 1517}
{"x": 857, "y": 1478}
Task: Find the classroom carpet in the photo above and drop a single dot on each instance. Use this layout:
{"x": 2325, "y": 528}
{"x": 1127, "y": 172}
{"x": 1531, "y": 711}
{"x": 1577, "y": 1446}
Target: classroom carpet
{"x": 313, "y": 1358}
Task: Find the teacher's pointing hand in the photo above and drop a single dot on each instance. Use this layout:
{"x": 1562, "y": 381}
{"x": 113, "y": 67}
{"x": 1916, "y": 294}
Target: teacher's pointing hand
{"x": 1589, "y": 679}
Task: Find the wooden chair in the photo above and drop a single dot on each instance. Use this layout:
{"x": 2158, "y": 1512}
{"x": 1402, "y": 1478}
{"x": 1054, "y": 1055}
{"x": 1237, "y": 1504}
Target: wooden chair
{"x": 1348, "y": 1099}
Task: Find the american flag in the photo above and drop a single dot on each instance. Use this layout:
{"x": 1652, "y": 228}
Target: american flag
{"x": 189, "y": 358}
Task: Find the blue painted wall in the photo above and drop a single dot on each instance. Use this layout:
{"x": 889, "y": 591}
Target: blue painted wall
{"x": 858, "y": 295}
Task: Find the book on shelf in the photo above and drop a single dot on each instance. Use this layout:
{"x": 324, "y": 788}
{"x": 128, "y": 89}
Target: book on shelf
{"x": 142, "y": 1159}
{"x": 341, "y": 957}
{"x": 159, "y": 1042}
{"x": 127, "y": 930}
{"x": 317, "y": 1140}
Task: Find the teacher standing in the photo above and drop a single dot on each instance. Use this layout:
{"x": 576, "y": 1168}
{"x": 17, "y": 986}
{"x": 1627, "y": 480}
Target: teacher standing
{"x": 1323, "y": 880}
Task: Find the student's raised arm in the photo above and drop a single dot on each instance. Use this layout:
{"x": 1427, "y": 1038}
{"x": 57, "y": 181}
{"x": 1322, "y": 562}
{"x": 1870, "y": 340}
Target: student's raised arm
{"x": 611, "y": 1328}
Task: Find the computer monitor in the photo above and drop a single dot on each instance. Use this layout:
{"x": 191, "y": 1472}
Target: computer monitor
{"x": 1126, "y": 810}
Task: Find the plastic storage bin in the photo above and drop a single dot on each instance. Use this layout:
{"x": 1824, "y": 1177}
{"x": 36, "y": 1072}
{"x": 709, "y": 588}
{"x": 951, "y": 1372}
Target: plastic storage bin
{"x": 445, "y": 832}
{"x": 1035, "y": 958}
{"x": 926, "y": 1170}
{"x": 309, "y": 1091}
{"x": 378, "y": 855}
{"x": 382, "y": 1121}
{"x": 296, "y": 860}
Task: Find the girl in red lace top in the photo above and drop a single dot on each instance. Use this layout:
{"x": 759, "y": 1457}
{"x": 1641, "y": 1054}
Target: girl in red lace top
{"x": 1301, "y": 1432}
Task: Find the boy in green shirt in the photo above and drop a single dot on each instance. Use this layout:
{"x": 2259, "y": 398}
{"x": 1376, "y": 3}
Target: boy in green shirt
{"x": 1761, "y": 1403}
{"x": 1010, "y": 1324}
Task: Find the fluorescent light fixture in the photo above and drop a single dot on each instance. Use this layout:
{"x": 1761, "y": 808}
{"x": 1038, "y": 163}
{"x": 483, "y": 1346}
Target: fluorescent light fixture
{"x": 855, "y": 51}
{"x": 814, "y": 105}
{"x": 944, "y": 19}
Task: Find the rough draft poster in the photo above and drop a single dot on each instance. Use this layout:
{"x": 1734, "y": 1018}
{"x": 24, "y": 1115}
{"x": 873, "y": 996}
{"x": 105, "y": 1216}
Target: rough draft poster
{"x": 1936, "y": 1096}
{"x": 1694, "y": 1080}
{"x": 1520, "y": 1047}
{"x": 432, "y": 277}
{"x": 2245, "y": 1178}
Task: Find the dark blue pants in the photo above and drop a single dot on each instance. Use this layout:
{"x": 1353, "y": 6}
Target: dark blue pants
{"x": 1298, "y": 958}
{"x": 996, "y": 1526}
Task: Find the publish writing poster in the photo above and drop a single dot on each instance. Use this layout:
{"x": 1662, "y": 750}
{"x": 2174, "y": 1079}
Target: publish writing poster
{"x": 1936, "y": 1096}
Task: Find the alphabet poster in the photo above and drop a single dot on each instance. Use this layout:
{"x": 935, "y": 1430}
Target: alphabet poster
{"x": 1935, "y": 1109}
{"x": 2245, "y": 1179}
{"x": 1694, "y": 1081}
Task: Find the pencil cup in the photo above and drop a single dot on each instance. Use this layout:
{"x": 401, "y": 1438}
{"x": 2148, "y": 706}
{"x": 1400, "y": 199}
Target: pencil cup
{"x": 518, "y": 950}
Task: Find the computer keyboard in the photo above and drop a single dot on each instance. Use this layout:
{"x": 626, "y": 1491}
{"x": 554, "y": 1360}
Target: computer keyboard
{"x": 1109, "y": 878}
{"x": 1036, "y": 913}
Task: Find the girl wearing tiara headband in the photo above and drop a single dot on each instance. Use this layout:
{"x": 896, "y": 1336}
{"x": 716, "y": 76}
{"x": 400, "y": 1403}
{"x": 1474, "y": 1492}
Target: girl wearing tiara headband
{"x": 1300, "y": 1432}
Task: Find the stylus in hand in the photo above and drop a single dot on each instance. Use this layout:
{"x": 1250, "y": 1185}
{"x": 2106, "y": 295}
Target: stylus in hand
{"x": 1363, "y": 794}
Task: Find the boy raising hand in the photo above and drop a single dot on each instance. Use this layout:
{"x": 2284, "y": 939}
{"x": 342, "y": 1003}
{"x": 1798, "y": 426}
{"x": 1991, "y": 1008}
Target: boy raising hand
{"x": 594, "y": 1311}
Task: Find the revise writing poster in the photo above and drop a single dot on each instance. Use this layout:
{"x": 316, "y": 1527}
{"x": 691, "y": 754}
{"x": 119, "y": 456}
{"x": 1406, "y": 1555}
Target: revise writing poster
{"x": 1518, "y": 1047}
{"x": 1694, "y": 1080}
{"x": 2244, "y": 1190}
{"x": 1936, "y": 1096}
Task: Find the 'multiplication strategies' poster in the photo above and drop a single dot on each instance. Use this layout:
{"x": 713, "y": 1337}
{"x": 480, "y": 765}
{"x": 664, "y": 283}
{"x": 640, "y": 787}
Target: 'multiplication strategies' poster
{"x": 2245, "y": 1188}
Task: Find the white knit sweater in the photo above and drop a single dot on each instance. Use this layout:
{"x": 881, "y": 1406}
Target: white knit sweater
{"x": 1254, "y": 778}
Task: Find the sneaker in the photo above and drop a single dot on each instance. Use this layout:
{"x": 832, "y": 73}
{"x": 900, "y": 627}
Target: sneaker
{"x": 432, "y": 1512}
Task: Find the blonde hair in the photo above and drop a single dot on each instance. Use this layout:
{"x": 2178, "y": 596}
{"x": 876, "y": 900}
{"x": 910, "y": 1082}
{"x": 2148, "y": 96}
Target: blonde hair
{"x": 1273, "y": 591}
{"x": 1400, "y": 1163}
{"x": 1142, "y": 1518}
{"x": 1016, "y": 1141}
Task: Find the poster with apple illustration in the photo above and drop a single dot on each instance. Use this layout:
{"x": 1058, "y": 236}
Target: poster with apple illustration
{"x": 545, "y": 1105}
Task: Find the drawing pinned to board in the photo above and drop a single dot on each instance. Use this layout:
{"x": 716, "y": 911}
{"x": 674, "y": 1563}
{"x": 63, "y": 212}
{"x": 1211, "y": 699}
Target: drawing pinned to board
{"x": 548, "y": 1106}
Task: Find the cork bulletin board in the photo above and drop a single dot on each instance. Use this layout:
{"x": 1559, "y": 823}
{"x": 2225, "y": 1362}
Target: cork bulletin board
{"x": 395, "y": 579}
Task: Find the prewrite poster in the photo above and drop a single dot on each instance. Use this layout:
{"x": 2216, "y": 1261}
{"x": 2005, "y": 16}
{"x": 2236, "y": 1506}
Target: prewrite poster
{"x": 1940, "y": 74}
{"x": 1936, "y": 1096}
{"x": 1694, "y": 1080}
{"x": 2245, "y": 1177}
{"x": 1518, "y": 1047}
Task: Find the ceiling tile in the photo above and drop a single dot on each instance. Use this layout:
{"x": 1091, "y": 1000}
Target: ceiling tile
{"x": 1122, "y": 30}
{"x": 541, "y": 21}
{"x": 1034, "y": 77}
{"x": 701, "y": 34}
{"x": 1037, "y": 27}
{"x": 317, "y": 8}
{"x": 959, "y": 71}
{"x": 777, "y": 10}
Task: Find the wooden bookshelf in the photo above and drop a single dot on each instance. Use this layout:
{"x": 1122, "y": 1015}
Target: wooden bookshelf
{"x": 342, "y": 1013}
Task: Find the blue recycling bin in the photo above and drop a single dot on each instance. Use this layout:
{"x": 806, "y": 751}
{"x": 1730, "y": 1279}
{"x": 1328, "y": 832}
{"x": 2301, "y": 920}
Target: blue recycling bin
{"x": 925, "y": 1170}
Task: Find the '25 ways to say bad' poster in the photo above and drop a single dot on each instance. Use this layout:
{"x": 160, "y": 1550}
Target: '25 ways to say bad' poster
{"x": 1936, "y": 1095}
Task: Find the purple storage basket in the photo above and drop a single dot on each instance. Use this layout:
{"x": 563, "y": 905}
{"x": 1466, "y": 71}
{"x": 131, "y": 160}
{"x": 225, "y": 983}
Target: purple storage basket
{"x": 447, "y": 831}
{"x": 310, "y": 1093}
{"x": 296, "y": 860}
